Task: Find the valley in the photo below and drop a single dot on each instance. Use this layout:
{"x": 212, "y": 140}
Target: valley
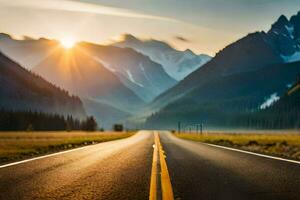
{"x": 146, "y": 99}
{"x": 149, "y": 84}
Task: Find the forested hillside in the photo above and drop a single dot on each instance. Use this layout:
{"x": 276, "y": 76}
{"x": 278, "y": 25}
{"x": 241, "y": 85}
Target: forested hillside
{"x": 22, "y": 90}
{"x": 38, "y": 121}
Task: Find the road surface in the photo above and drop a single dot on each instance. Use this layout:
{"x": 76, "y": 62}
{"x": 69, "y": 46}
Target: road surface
{"x": 199, "y": 171}
{"x": 112, "y": 170}
{"x": 123, "y": 170}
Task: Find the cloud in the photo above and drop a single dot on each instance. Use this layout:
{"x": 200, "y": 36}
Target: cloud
{"x": 182, "y": 39}
{"x": 68, "y": 5}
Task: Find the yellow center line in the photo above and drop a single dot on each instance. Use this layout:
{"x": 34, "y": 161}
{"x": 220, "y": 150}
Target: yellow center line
{"x": 166, "y": 186}
{"x": 153, "y": 183}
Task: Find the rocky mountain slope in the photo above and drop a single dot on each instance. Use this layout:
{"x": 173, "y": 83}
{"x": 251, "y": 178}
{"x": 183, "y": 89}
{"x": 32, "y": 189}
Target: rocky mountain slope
{"x": 79, "y": 73}
{"x": 253, "y": 52}
{"x": 144, "y": 77}
{"x": 243, "y": 77}
{"x": 178, "y": 64}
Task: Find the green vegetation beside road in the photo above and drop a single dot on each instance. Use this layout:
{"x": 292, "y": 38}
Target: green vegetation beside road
{"x": 283, "y": 144}
{"x": 20, "y": 145}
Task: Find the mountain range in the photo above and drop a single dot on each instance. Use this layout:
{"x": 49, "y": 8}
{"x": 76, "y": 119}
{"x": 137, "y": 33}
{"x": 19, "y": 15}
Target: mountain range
{"x": 119, "y": 79}
{"x": 238, "y": 79}
{"x": 28, "y": 52}
{"x": 149, "y": 83}
{"x": 136, "y": 71}
{"x": 22, "y": 90}
{"x": 80, "y": 74}
{"x": 178, "y": 64}
{"x": 223, "y": 98}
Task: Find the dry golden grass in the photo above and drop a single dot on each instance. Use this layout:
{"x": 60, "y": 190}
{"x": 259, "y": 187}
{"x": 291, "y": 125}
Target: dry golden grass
{"x": 20, "y": 145}
{"x": 283, "y": 144}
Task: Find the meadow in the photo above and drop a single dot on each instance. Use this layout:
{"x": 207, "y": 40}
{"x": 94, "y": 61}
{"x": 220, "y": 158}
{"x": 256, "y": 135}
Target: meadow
{"x": 284, "y": 144}
{"x": 21, "y": 145}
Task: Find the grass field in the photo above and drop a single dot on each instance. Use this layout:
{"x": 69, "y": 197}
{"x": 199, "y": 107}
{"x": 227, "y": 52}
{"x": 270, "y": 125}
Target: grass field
{"x": 283, "y": 144}
{"x": 20, "y": 145}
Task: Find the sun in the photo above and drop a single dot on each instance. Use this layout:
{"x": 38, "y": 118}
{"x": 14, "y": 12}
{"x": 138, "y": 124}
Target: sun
{"x": 68, "y": 42}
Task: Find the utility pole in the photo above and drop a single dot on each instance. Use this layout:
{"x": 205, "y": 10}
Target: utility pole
{"x": 201, "y": 128}
{"x": 179, "y": 127}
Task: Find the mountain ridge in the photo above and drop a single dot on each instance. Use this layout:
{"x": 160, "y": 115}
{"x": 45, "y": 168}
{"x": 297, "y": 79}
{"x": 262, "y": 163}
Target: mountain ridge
{"x": 177, "y": 64}
{"x": 22, "y": 90}
{"x": 79, "y": 73}
{"x": 143, "y": 76}
{"x": 238, "y": 61}
{"x": 132, "y": 68}
{"x": 256, "y": 50}
{"x": 226, "y": 97}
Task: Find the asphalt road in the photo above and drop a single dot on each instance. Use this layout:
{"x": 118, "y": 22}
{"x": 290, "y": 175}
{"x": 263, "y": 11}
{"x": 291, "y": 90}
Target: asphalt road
{"x": 111, "y": 170}
{"x": 122, "y": 169}
{"x": 199, "y": 171}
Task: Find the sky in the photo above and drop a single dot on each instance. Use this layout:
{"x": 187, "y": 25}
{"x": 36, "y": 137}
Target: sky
{"x": 204, "y": 26}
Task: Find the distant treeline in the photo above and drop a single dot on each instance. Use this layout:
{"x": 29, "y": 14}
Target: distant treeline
{"x": 28, "y": 120}
{"x": 284, "y": 114}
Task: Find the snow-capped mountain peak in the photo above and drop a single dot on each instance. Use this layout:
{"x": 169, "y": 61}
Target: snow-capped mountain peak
{"x": 178, "y": 64}
{"x": 284, "y": 36}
